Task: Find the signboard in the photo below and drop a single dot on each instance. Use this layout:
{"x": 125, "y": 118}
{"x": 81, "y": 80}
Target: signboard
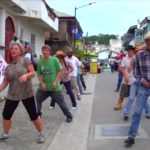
{"x": 79, "y": 43}
{"x": 93, "y": 67}
{"x": 3, "y": 65}
{"x": 74, "y": 29}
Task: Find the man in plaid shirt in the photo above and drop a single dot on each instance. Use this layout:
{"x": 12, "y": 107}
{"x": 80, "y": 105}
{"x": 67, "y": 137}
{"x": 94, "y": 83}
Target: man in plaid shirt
{"x": 142, "y": 75}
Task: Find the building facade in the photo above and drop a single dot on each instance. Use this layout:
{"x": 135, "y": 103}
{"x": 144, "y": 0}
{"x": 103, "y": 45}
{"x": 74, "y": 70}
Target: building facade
{"x": 29, "y": 21}
{"x": 64, "y": 38}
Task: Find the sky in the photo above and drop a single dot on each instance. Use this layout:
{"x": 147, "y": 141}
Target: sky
{"x": 107, "y": 16}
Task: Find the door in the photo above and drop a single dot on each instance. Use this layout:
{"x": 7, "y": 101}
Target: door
{"x": 9, "y": 32}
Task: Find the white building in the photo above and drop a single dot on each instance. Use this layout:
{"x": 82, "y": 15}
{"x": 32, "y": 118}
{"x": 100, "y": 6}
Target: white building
{"x": 116, "y": 45}
{"x": 29, "y": 19}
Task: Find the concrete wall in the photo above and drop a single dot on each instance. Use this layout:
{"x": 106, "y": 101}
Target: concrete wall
{"x": 63, "y": 27}
{"x": 28, "y": 29}
{"x": 38, "y": 10}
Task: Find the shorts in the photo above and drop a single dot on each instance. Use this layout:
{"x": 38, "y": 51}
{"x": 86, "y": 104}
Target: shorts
{"x": 125, "y": 90}
{"x": 29, "y": 104}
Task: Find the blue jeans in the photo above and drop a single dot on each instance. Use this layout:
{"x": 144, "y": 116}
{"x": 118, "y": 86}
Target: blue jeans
{"x": 120, "y": 77}
{"x": 112, "y": 68}
{"x": 68, "y": 87}
{"x": 133, "y": 94}
{"x": 142, "y": 98}
{"x": 82, "y": 81}
{"x": 79, "y": 84}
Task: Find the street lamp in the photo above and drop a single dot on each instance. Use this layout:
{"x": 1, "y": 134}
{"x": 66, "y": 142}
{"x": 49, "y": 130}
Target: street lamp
{"x": 75, "y": 14}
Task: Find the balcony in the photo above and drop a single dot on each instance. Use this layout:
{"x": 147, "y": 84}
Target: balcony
{"x": 59, "y": 36}
{"x": 16, "y": 5}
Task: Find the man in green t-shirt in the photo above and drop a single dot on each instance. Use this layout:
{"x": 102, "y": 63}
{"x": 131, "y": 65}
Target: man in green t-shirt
{"x": 49, "y": 72}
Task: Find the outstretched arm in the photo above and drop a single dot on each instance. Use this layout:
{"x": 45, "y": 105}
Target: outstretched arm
{"x": 4, "y": 84}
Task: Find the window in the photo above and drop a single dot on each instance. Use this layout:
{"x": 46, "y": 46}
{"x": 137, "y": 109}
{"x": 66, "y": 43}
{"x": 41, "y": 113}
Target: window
{"x": 21, "y": 34}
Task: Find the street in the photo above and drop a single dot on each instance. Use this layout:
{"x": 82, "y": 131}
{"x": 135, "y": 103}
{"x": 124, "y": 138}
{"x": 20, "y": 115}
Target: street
{"x": 96, "y": 126}
{"x": 103, "y": 114}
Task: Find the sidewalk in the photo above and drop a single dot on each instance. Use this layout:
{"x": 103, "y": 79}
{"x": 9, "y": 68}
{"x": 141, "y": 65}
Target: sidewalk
{"x": 58, "y": 133}
{"x": 74, "y": 136}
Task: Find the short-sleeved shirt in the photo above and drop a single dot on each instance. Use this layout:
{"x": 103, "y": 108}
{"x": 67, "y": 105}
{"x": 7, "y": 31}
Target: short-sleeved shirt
{"x": 66, "y": 77}
{"x": 75, "y": 64}
{"x": 49, "y": 69}
{"x": 126, "y": 63}
{"x": 18, "y": 91}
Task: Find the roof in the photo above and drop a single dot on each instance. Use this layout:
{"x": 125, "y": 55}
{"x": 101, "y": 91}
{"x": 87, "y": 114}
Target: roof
{"x": 61, "y": 14}
{"x": 132, "y": 29}
{"x": 64, "y": 16}
{"x": 145, "y": 20}
{"x": 49, "y": 8}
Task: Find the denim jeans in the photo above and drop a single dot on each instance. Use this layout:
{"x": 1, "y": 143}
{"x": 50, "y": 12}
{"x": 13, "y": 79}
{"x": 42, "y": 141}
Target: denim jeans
{"x": 75, "y": 86}
{"x": 142, "y": 98}
{"x": 68, "y": 87}
{"x": 79, "y": 84}
{"x": 133, "y": 94}
{"x": 112, "y": 68}
{"x": 82, "y": 81}
{"x": 56, "y": 96}
{"x": 120, "y": 77}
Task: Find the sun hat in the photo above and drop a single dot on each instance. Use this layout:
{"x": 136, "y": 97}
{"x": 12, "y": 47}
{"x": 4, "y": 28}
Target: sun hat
{"x": 60, "y": 53}
{"x": 138, "y": 48}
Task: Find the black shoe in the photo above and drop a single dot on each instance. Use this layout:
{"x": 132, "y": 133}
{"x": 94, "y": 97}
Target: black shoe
{"x": 129, "y": 142}
{"x": 126, "y": 118}
{"x": 147, "y": 117}
{"x": 40, "y": 114}
{"x": 69, "y": 119}
{"x": 116, "y": 90}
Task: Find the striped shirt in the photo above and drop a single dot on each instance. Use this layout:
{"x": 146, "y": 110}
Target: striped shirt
{"x": 142, "y": 66}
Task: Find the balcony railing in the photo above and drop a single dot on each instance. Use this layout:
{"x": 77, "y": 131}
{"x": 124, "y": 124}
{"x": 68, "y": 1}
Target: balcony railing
{"x": 60, "y": 36}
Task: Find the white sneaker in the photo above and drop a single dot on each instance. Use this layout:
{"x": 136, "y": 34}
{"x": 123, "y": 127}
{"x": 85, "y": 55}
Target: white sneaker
{"x": 40, "y": 138}
{"x": 51, "y": 107}
{"x": 4, "y": 137}
{"x": 74, "y": 108}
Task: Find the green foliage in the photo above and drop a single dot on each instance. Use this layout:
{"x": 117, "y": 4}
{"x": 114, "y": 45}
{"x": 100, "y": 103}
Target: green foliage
{"x": 83, "y": 54}
{"x": 101, "y": 38}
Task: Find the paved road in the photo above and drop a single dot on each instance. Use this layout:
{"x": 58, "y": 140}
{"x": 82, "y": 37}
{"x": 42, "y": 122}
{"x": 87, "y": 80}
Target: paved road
{"x": 103, "y": 114}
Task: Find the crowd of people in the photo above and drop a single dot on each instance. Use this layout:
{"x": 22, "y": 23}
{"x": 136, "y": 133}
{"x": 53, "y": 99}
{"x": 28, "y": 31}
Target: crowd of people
{"x": 53, "y": 72}
{"x": 134, "y": 73}
{"x": 67, "y": 70}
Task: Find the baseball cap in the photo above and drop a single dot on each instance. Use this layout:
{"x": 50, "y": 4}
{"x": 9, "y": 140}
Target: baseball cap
{"x": 129, "y": 47}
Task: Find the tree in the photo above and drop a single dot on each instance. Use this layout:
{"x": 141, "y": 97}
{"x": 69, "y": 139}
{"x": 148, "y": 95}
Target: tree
{"x": 101, "y": 38}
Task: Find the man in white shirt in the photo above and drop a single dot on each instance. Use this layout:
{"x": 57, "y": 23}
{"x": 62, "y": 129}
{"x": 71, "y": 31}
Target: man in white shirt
{"x": 32, "y": 56}
{"x": 75, "y": 64}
